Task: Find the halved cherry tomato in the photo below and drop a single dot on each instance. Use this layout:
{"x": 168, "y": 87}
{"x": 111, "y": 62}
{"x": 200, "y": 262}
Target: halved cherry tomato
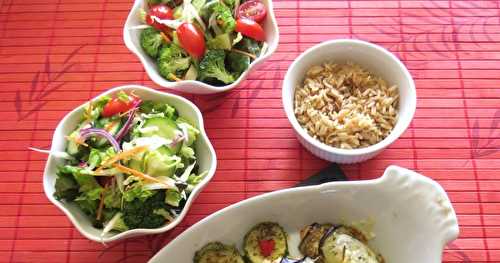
{"x": 160, "y": 11}
{"x": 191, "y": 39}
{"x": 115, "y": 106}
{"x": 253, "y": 9}
{"x": 250, "y": 29}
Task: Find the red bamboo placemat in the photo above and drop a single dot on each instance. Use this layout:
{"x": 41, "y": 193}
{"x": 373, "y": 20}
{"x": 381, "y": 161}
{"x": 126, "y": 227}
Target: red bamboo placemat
{"x": 56, "y": 54}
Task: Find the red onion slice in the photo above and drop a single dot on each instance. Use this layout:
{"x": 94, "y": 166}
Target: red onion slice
{"x": 86, "y": 133}
{"x": 126, "y": 127}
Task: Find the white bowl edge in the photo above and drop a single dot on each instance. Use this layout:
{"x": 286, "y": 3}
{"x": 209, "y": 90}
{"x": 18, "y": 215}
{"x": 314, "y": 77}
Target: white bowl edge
{"x": 51, "y": 162}
{"x": 193, "y": 86}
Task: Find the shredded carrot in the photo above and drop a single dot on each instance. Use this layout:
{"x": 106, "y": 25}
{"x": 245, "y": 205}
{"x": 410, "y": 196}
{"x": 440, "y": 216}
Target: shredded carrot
{"x": 174, "y": 77}
{"x": 125, "y": 113}
{"x": 88, "y": 111}
{"x": 252, "y": 56}
{"x": 101, "y": 205}
{"x": 132, "y": 93}
{"x": 165, "y": 37}
{"x": 99, "y": 172}
{"x": 124, "y": 154}
{"x": 76, "y": 140}
{"x": 133, "y": 172}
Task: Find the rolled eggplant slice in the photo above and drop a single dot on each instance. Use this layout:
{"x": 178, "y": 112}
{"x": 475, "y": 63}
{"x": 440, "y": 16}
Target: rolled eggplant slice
{"x": 311, "y": 238}
{"x": 217, "y": 252}
{"x": 345, "y": 244}
{"x": 265, "y": 243}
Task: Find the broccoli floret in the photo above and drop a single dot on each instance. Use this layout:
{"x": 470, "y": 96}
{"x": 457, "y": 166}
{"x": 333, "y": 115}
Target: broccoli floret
{"x": 225, "y": 18}
{"x": 230, "y": 3}
{"x": 140, "y": 214}
{"x": 237, "y": 62}
{"x": 249, "y": 45}
{"x": 212, "y": 66}
{"x": 151, "y": 41}
{"x": 172, "y": 61}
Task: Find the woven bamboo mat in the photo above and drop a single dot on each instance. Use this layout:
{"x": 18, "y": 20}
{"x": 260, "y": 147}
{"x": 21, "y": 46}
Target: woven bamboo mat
{"x": 56, "y": 54}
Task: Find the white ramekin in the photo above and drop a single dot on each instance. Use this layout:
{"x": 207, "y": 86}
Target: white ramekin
{"x": 374, "y": 58}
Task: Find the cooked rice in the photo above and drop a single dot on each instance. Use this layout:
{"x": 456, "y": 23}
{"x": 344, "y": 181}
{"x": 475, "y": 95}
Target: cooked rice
{"x": 345, "y": 106}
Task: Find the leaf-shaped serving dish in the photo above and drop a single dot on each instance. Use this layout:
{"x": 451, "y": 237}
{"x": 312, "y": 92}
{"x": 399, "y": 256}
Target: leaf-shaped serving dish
{"x": 412, "y": 217}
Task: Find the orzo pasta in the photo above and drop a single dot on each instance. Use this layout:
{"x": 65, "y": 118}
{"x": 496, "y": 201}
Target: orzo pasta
{"x": 345, "y": 106}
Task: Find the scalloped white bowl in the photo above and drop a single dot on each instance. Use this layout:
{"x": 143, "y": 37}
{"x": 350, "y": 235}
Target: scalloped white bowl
{"x": 412, "y": 215}
{"x": 132, "y": 41}
{"x": 205, "y": 153}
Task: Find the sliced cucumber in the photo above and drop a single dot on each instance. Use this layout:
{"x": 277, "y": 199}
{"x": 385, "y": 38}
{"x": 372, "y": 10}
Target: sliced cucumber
{"x": 265, "y": 232}
{"x": 216, "y": 252}
{"x": 341, "y": 245}
{"x": 98, "y": 141}
{"x": 72, "y": 147}
{"x": 311, "y": 239}
{"x": 192, "y": 73}
{"x": 162, "y": 127}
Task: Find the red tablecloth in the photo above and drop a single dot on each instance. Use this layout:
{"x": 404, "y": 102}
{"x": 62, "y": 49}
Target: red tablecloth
{"x": 56, "y": 54}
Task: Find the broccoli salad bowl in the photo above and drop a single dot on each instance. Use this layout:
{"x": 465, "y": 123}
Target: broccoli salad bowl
{"x": 129, "y": 162}
{"x": 201, "y": 46}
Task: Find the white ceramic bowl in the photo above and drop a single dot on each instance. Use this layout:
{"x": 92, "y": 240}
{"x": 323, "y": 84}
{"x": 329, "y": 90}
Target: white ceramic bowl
{"x": 374, "y": 58}
{"x": 132, "y": 41}
{"x": 204, "y": 151}
{"x": 412, "y": 215}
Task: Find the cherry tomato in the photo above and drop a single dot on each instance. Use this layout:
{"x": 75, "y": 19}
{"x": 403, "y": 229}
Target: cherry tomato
{"x": 250, "y": 29}
{"x": 191, "y": 39}
{"x": 253, "y": 10}
{"x": 160, "y": 11}
{"x": 116, "y": 106}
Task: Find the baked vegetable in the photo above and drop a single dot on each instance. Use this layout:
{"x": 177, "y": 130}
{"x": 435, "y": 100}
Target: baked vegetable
{"x": 265, "y": 243}
{"x": 345, "y": 244}
{"x": 216, "y": 252}
{"x": 327, "y": 243}
{"x": 311, "y": 239}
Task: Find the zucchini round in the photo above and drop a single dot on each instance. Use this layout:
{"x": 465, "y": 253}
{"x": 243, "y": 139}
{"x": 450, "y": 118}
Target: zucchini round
{"x": 216, "y": 252}
{"x": 346, "y": 244}
{"x": 265, "y": 232}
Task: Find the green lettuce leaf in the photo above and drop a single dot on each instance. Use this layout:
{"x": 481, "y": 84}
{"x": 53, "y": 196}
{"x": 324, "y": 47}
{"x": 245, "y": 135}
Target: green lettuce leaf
{"x": 136, "y": 191}
{"x": 173, "y": 197}
{"x": 66, "y": 187}
{"x": 89, "y": 201}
